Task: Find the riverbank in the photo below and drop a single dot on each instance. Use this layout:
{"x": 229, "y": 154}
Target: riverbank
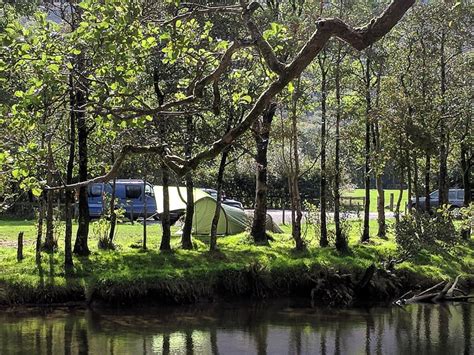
{"x": 241, "y": 270}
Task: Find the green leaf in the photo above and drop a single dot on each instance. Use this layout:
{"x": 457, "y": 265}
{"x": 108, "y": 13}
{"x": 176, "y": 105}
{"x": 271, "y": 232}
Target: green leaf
{"x": 291, "y": 87}
{"x": 246, "y": 99}
{"x": 53, "y": 67}
{"x": 36, "y": 191}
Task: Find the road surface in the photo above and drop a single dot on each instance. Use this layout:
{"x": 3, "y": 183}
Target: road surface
{"x": 279, "y": 215}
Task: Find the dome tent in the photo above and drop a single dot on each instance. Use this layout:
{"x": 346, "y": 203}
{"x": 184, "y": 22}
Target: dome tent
{"x": 232, "y": 220}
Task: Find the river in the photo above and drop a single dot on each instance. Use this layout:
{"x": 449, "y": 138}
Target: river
{"x": 283, "y": 327}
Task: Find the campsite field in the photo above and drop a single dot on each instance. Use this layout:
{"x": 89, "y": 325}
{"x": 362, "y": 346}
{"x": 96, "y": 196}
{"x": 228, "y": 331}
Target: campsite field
{"x": 373, "y": 198}
{"x": 129, "y": 267}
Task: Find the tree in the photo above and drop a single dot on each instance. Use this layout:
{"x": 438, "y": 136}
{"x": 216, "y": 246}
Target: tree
{"x": 326, "y": 28}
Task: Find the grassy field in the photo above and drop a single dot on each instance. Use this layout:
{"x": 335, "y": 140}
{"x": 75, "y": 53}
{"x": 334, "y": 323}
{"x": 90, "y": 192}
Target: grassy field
{"x": 373, "y": 198}
{"x": 130, "y": 265}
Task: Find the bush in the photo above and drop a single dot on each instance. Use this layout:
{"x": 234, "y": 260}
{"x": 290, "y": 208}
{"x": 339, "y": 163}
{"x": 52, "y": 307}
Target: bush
{"x": 420, "y": 230}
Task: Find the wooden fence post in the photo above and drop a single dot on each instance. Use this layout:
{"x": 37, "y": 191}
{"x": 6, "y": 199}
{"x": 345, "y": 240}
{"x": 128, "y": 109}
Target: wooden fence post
{"x": 19, "y": 252}
{"x": 392, "y": 197}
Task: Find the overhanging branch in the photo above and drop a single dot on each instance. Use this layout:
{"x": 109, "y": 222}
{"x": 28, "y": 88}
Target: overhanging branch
{"x": 359, "y": 38}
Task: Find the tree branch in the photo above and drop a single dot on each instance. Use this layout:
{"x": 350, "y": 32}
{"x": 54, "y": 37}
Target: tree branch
{"x": 359, "y": 38}
{"x": 263, "y": 46}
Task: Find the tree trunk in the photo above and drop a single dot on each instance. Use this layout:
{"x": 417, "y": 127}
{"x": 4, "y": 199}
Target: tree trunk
{"x": 409, "y": 179}
{"x": 341, "y": 240}
{"x": 186, "y": 241}
{"x": 296, "y": 213}
{"x": 165, "y": 216}
{"x": 377, "y": 142}
{"x": 365, "y": 233}
{"x": 400, "y": 194}
{"x": 466, "y": 174}
{"x": 382, "y": 232}
{"x": 215, "y": 219}
{"x": 145, "y": 212}
{"x": 49, "y": 243}
{"x": 382, "y": 227}
{"x": 427, "y": 182}
{"x": 165, "y": 174}
{"x": 466, "y": 180}
{"x": 443, "y": 149}
{"x": 113, "y": 215}
{"x": 262, "y": 136}
{"x": 80, "y": 246}
{"x": 415, "y": 180}
{"x": 39, "y": 232}
{"x": 69, "y": 194}
{"x": 323, "y": 241}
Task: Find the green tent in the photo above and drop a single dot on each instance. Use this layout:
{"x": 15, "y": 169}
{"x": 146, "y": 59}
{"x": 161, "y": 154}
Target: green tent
{"x": 232, "y": 220}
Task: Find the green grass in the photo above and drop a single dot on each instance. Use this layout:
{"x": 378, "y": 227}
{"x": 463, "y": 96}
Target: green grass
{"x": 129, "y": 265}
{"x": 373, "y": 198}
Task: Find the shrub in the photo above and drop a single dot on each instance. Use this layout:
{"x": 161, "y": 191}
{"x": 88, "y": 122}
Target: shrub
{"x": 420, "y": 230}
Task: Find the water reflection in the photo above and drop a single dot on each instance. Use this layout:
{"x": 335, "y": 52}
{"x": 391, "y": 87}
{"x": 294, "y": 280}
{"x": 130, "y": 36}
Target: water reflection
{"x": 262, "y": 329}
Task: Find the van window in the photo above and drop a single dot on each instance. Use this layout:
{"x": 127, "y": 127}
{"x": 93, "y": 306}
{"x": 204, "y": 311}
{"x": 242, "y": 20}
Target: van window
{"x": 133, "y": 191}
{"x": 148, "y": 190}
{"x": 461, "y": 195}
{"x": 95, "y": 190}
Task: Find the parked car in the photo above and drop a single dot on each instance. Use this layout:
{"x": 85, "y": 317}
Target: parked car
{"x": 225, "y": 200}
{"x": 131, "y": 195}
{"x": 455, "y": 198}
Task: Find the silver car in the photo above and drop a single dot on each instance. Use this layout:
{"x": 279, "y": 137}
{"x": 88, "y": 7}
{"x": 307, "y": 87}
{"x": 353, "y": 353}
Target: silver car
{"x": 225, "y": 200}
{"x": 455, "y": 198}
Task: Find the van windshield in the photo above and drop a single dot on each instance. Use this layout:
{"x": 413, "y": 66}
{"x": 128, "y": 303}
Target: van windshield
{"x": 434, "y": 194}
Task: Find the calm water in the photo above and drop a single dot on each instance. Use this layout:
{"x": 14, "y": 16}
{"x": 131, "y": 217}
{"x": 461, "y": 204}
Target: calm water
{"x": 267, "y": 328}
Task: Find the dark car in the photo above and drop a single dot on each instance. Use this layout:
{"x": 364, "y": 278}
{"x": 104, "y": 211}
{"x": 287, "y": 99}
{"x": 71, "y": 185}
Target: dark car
{"x": 225, "y": 200}
{"x": 455, "y": 198}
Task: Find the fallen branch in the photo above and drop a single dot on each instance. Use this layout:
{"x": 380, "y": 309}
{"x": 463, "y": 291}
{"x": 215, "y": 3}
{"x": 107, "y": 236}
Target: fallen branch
{"x": 445, "y": 295}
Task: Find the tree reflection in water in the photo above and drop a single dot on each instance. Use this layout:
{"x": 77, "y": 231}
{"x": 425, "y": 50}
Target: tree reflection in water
{"x": 215, "y": 329}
